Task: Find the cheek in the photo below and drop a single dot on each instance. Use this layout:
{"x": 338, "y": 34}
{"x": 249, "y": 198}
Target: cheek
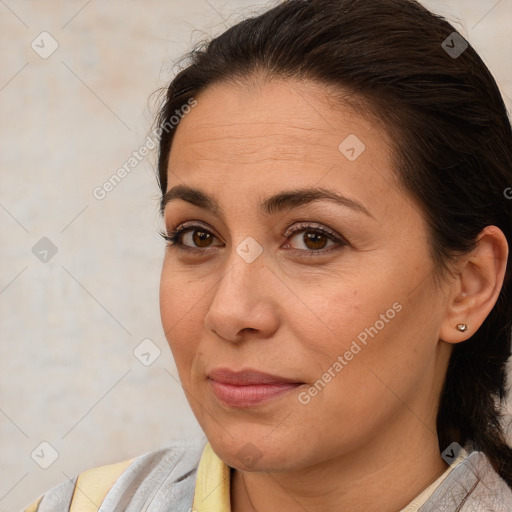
{"x": 361, "y": 328}
{"x": 180, "y": 294}
{"x": 336, "y": 313}
{"x": 181, "y": 314}
{"x": 385, "y": 351}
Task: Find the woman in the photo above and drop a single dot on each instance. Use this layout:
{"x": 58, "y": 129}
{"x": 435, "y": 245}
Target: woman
{"x": 336, "y": 290}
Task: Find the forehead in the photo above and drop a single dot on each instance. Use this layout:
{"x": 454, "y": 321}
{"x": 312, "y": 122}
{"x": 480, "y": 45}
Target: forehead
{"x": 242, "y": 146}
{"x": 273, "y": 121}
{"x": 240, "y": 143}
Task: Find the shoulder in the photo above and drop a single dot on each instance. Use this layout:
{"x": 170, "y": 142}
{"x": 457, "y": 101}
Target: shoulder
{"x": 160, "y": 478}
{"x": 472, "y": 486}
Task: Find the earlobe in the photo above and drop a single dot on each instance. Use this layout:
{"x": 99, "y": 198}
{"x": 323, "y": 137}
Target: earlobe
{"x": 476, "y": 289}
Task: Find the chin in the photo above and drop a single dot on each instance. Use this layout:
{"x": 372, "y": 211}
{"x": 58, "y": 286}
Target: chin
{"x": 253, "y": 453}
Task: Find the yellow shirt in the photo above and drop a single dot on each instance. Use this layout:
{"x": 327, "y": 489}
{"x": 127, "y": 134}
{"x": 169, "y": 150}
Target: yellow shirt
{"x": 212, "y": 491}
{"x": 212, "y": 484}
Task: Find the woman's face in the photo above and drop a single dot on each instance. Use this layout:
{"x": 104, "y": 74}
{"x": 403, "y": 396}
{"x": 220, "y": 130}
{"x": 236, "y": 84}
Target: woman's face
{"x": 336, "y": 297}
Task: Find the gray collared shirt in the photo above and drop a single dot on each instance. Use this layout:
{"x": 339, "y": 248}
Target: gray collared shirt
{"x": 164, "y": 481}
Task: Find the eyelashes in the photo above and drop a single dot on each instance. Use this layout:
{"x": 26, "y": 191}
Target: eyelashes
{"x": 174, "y": 238}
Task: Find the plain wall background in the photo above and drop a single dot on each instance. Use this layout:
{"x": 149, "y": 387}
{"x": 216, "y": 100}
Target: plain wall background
{"x": 68, "y": 327}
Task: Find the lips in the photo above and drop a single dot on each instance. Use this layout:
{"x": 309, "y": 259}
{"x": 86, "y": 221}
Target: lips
{"x": 247, "y": 377}
{"x": 248, "y": 388}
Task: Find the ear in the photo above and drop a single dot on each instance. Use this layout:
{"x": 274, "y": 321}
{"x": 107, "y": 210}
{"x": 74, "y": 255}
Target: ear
{"x": 476, "y": 289}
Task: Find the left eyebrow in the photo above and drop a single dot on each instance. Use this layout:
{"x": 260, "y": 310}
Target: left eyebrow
{"x": 285, "y": 200}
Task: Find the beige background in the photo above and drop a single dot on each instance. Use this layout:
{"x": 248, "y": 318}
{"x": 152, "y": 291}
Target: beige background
{"x": 69, "y": 326}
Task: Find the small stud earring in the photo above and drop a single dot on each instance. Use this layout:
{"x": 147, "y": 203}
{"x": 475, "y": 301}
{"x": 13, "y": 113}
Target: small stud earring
{"x": 462, "y": 327}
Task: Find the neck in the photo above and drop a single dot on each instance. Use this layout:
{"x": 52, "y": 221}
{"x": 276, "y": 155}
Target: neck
{"x": 383, "y": 478}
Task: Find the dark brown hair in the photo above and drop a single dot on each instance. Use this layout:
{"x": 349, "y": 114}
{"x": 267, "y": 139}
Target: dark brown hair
{"x": 453, "y": 150}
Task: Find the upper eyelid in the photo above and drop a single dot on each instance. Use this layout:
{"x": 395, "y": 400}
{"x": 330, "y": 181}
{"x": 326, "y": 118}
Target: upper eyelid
{"x": 297, "y": 225}
{"x": 301, "y": 225}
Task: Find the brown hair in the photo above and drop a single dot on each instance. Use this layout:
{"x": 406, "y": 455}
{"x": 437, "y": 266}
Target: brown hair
{"x": 453, "y": 150}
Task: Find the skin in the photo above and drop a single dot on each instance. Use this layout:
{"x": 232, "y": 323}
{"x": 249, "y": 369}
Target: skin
{"x": 367, "y": 441}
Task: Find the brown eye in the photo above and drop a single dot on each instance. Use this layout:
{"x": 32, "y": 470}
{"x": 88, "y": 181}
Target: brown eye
{"x": 201, "y": 238}
{"x": 315, "y": 241}
{"x": 190, "y": 238}
{"x": 312, "y": 240}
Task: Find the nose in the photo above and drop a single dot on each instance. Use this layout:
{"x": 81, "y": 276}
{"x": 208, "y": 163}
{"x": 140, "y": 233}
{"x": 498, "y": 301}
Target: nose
{"x": 244, "y": 301}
